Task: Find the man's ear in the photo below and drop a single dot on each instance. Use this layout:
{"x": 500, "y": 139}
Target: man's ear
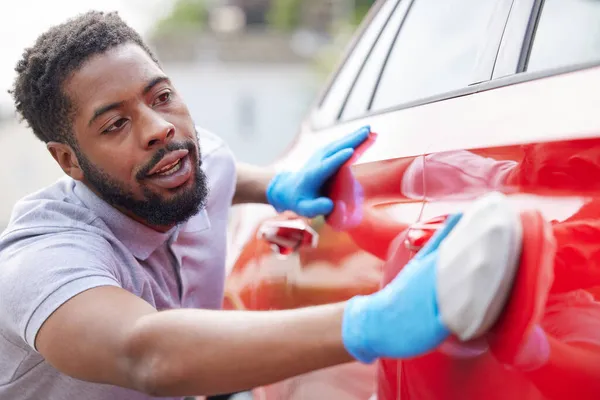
{"x": 66, "y": 158}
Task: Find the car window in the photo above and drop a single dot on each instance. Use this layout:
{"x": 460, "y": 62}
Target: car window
{"x": 362, "y": 91}
{"x": 568, "y": 32}
{"x": 331, "y": 106}
{"x": 436, "y": 50}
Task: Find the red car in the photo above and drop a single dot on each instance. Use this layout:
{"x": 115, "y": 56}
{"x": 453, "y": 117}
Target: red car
{"x": 467, "y": 97}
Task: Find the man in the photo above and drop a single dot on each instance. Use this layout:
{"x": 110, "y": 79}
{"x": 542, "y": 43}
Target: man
{"x": 112, "y": 278}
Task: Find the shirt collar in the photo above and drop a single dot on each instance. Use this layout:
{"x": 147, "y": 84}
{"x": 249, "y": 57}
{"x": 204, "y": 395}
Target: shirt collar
{"x": 140, "y": 239}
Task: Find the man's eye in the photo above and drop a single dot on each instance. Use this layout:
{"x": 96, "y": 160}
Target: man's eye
{"x": 116, "y": 126}
{"x": 162, "y": 98}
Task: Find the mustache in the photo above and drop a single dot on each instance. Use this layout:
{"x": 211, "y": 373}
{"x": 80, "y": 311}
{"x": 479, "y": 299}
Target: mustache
{"x": 162, "y": 152}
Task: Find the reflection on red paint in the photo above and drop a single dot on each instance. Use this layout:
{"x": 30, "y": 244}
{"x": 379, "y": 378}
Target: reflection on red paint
{"x": 358, "y": 193}
{"x": 547, "y": 343}
{"x": 552, "y": 326}
{"x": 419, "y": 233}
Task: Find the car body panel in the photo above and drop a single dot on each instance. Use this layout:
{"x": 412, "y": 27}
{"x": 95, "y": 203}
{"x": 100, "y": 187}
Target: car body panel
{"x": 545, "y": 156}
{"x": 558, "y": 179}
{"x": 533, "y": 136}
{"x": 346, "y": 264}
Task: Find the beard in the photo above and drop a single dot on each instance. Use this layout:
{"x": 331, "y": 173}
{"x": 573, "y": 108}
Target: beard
{"x": 153, "y": 208}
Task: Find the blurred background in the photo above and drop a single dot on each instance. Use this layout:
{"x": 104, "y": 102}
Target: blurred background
{"x": 248, "y": 69}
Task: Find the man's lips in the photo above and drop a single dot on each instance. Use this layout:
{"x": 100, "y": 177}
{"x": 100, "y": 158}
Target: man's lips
{"x": 170, "y": 159}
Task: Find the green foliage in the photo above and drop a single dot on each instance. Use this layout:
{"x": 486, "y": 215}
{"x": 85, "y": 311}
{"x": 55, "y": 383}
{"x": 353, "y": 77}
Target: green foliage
{"x": 361, "y": 8}
{"x": 342, "y": 32}
{"x": 185, "y": 14}
{"x": 284, "y": 15}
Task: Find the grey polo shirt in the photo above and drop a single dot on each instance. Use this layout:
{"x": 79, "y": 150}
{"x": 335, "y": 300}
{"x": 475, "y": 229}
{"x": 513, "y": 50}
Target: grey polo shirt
{"x": 64, "y": 240}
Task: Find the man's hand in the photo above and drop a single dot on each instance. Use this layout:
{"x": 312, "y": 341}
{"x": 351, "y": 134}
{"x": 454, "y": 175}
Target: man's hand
{"x": 402, "y": 320}
{"x": 301, "y": 191}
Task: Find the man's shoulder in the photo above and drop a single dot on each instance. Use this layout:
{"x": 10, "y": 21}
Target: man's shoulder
{"x": 209, "y": 141}
{"x": 52, "y": 227}
{"x": 214, "y": 149}
{"x": 218, "y": 160}
{"x": 50, "y": 210}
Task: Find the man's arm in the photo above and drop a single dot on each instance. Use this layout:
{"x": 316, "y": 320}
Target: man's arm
{"x": 108, "y": 335}
{"x": 252, "y": 183}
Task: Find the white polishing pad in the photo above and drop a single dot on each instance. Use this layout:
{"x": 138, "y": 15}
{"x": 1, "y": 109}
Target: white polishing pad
{"x": 477, "y": 264}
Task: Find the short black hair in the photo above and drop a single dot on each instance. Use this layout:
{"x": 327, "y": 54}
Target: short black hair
{"x": 56, "y": 55}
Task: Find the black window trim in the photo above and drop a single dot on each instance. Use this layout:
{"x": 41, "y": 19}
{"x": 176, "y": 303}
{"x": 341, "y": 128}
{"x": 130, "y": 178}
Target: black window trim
{"x": 495, "y": 36}
{"x": 387, "y": 56}
{"x": 485, "y": 68}
{"x": 497, "y": 81}
{"x": 534, "y": 18}
{"x": 474, "y": 89}
{"x": 527, "y": 43}
{"x": 350, "y": 50}
{"x": 515, "y": 50}
{"x": 362, "y": 66}
{"x": 511, "y": 47}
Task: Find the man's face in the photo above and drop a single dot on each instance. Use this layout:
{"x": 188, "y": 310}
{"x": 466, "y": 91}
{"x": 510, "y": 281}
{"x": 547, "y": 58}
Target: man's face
{"x": 136, "y": 143}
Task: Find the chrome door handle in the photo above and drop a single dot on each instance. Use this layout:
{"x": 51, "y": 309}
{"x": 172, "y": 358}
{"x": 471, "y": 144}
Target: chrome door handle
{"x": 287, "y": 236}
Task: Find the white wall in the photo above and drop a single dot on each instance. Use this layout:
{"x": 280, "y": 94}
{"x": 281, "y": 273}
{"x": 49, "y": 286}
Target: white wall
{"x": 26, "y": 166}
{"x": 256, "y": 108}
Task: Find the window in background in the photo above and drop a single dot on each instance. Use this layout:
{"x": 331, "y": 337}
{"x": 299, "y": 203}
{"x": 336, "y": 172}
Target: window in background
{"x": 436, "y": 50}
{"x": 568, "y": 33}
{"x": 362, "y": 91}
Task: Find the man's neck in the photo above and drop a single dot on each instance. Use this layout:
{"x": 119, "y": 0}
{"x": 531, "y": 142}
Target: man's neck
{"x": 136, "y": 218}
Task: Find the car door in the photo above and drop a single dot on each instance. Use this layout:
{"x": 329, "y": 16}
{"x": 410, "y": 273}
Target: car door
{"x": 349, "y": 262}
{"x": 532, "y": 133}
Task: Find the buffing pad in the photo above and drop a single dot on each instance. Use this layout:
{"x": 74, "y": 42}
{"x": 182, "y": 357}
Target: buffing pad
{"x": 477, "y": 265}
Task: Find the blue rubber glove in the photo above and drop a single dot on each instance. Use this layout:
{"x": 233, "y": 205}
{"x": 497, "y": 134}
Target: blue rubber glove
{"x": 301, "y": 191}
{"x": 402, "y": 319}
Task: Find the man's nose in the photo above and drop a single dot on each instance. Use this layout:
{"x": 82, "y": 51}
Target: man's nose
{"x": 157, "y": 131}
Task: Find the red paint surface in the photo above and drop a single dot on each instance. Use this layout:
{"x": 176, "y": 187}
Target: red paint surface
{"x": 555, "y": 288}
{"x": 537, "y": 142}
